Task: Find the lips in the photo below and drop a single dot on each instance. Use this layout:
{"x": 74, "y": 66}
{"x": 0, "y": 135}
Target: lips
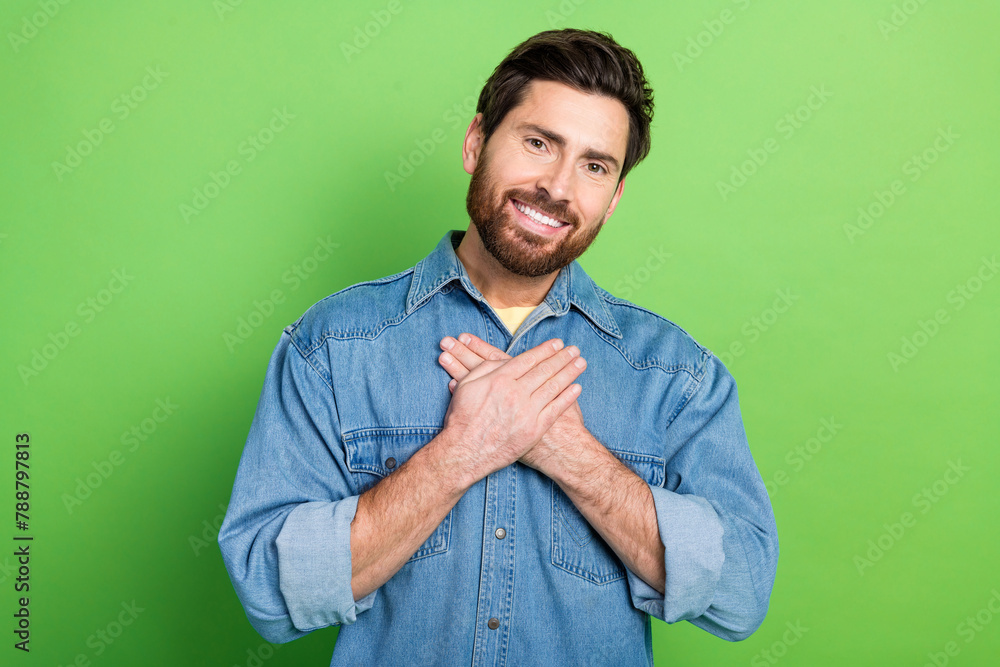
{"x": 534, "y": 225}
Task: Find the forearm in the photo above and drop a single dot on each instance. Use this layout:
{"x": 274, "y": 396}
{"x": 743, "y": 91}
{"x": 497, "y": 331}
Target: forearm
{"x": 398, "y": 514}
{"x": 619, "y": 506}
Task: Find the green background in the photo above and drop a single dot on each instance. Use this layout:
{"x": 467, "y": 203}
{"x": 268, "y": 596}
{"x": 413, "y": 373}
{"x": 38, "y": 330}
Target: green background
{"x": 894, "y": 75}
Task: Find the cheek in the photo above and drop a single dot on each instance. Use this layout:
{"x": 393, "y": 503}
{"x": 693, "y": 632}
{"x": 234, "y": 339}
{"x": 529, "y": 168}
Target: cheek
{"x": 595, "y": 208}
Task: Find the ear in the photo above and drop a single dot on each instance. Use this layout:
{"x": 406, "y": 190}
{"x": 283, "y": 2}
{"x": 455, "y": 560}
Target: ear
{"x": 473, "y": 144}
{"x": 614, "y": 201}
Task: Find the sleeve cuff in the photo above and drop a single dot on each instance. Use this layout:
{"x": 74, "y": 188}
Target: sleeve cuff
{"x": 691, "y": 533}
{"x": 314, "y": 565}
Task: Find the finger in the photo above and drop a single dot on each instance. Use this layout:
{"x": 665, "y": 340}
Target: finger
{"x": 555, "y": 385}
{"x": 465, "y": 356}
{"x": 455, "y": 368}
{"x": 451, "y": 385}
{"x": 528, "y": 359}
{"x": 550, "y": 368}
{"x": 548, "y": 415}
{"x": 482, "y": 348}
{"x": 484, "y": 368}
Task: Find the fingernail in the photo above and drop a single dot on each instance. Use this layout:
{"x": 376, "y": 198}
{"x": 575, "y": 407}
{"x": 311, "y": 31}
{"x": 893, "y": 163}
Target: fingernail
{"x": 447, "y": 358}
{"x": 579, "y": 362}
{"x": 557, "y": 344}
{"x": 465, "y": 338}
{"x": 448, "y": 343}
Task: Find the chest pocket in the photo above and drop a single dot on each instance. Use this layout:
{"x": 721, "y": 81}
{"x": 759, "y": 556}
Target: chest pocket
{"x": 576, "y": 547}
{"x": 373, "y": 453}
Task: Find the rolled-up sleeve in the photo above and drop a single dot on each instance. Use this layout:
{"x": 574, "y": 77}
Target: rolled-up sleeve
{"x": 715, "y": 519}
{"x": 286, "y": 537}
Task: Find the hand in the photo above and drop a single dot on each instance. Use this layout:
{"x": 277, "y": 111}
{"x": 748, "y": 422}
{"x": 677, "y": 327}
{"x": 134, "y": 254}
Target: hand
{"x": 501, "y": 408}
{"x": 559, "y": 440}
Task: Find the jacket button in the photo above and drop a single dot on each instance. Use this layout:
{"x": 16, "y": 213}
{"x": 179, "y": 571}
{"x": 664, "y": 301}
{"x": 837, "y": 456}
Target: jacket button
{"x": 493, "y": 623}
{"x": 501, "y": 533}
{"x": 390, "y": 463}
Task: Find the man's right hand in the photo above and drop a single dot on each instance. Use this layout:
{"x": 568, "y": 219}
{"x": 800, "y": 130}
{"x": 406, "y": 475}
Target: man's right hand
{"x": 502, "y": 408}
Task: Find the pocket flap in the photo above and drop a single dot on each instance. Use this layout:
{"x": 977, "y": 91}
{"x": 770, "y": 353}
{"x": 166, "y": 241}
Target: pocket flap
{"x": 379, "y": 451}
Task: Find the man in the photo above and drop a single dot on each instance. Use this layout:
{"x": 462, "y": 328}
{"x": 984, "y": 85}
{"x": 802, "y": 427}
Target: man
{"x": 504, "y": 501}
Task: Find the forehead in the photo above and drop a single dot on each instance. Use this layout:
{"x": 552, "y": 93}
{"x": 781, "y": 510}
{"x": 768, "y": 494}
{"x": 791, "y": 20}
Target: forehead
{"x": 588, "y": 120}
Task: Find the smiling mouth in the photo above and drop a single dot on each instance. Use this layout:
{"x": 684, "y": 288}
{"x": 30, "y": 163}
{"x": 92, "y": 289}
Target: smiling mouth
{"x": 537, "y": 216}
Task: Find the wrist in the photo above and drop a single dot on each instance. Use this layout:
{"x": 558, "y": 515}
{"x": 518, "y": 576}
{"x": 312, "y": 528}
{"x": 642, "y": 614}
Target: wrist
{"x": 453, "y": 467}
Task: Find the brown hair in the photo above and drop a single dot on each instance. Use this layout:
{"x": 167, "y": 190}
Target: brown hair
{"x": 592, "y": 62}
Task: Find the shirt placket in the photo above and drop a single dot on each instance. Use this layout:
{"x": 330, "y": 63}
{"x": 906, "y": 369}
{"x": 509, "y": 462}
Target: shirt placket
{"x": 495, "y": 605}
{"x": 496, "y": 577}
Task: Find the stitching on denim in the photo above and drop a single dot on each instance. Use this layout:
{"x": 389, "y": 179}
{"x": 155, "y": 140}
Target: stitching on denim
{"x": 559, "y": 558}
{"x": 325, "y": 334}
{"x": 374, "y": 332}
{"x": 746, "y": 558}
{"x": 652, "y": 362}
{"x": 375, "y": 431}
{"x": 309, "y": 363}
{"x": 377, "y": 469}
{"x": 563, "y": 511}
{"x": 487, "y": 328}
{"x": 438, "y": 546}
{"x": 611, "y": 298}
{"x": 692, "y": 388}
{"x": 443, "y": 281}
{"x": 611, "y": 327}
{"x": 658, "y": 463}
{"x": 505, "y": 638}
{"x": 589, "y": 576}
{"x": 418, "y": 274}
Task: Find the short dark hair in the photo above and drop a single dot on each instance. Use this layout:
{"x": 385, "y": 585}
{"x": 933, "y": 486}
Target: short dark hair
{"x": 592, "y": 62}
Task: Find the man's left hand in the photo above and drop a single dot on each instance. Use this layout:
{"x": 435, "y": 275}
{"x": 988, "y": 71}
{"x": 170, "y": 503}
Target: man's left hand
{"x": 562, "y": 439}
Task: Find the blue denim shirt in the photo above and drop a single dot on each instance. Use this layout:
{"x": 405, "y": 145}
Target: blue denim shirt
{"x": 354, "y": 388}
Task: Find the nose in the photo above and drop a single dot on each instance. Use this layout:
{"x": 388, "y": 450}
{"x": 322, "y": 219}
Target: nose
{"x": 557, "y": 180}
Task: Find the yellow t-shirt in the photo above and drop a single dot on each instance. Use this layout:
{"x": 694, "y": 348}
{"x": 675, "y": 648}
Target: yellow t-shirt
{"x": 513, "y": 316}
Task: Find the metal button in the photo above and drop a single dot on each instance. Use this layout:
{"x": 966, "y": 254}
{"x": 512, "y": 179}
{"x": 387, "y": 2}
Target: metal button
{"x": 493, "y": 623}
{"x": 390, "y": 463}
{"x": 501, "y": 533}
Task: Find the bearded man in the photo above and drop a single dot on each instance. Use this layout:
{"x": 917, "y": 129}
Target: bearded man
{"x": 487, "y": 458}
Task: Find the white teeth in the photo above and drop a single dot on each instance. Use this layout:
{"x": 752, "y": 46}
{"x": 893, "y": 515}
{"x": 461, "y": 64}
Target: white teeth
{"x": 536, "y": 216}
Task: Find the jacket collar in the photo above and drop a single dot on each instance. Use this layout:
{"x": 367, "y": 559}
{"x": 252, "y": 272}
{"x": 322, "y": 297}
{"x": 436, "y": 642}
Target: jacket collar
{"x": 571, "y": 287}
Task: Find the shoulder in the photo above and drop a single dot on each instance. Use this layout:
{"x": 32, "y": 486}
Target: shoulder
{"x": 358, "y": 311}
{"x": 650, "y": 340}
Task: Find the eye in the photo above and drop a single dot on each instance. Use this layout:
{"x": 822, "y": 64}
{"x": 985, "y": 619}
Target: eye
{"x": 540, "y": 143}
{"x": 600, "y": 169}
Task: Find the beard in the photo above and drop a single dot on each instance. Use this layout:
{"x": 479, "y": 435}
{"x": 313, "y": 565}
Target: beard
{"x": 517, "y": 249}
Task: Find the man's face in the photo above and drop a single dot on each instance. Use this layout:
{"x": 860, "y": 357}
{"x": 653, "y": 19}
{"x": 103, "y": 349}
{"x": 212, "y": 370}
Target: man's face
{"x": 559, "y": 153}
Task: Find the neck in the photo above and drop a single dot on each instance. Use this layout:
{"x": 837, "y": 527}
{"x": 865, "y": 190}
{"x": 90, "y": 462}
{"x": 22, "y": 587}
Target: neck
{"x": 500, "y": 287}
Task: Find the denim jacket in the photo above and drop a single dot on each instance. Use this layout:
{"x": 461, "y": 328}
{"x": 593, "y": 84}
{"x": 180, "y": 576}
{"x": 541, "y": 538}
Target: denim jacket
{"x": 354, "y": 388}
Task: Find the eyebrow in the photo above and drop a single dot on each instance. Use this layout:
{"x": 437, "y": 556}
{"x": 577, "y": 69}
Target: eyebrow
{"x": 560, "y": 141}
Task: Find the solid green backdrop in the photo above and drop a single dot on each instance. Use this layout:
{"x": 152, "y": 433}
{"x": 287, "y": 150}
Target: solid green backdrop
{"x": 182, "y": 180}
